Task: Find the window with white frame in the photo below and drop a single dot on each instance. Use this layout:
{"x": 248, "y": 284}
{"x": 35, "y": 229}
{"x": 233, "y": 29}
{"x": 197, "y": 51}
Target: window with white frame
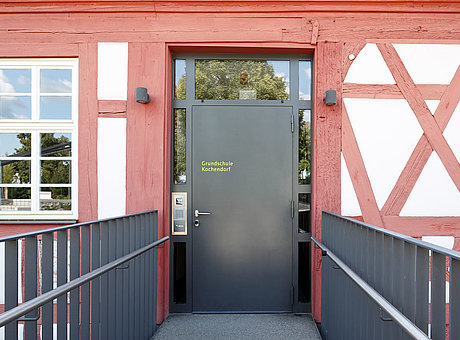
{"x": 38, "y": 138}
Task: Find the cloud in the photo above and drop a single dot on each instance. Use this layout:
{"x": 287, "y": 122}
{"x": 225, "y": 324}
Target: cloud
{"x": 5, "y": 86}
{"x": 55, "y": 86}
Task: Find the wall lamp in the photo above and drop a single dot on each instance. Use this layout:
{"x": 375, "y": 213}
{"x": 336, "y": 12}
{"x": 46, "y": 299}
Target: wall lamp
{"x": 331, "y": 97}
{"x": 142, "y": 96}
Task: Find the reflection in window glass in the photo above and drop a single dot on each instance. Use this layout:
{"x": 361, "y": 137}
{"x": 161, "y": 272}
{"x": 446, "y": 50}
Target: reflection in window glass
{"x": 242, "y": 79}
{"x": 180, "y": 79}
{"x": 180, "y": 176}
{"x": 304, "y": 80}
{"x": 55, "y": 199}
{"x": 14, "y": 172}
{"x": 15, "y": 107}
{"x": 55, "y": 107}
{"x": 15, "y": 81}
{"x": 15, "y": 199}
{"x": 15, "y": 144}
{"x": 55, "y": 81}
{"x": 56, "y": 144}
{"x": 304, "y": 209}
{"x": 304, "y": 146}
{"x": 55, "y": 172}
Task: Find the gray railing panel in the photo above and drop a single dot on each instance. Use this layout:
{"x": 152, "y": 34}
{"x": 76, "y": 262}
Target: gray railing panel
{"x": 454, "y": 303}
{"x": 96, "y": 283}
{"x": 74, "y": 273}
{"x": 61, "y": 279}
{"x": 81, "y": 251}
{"x": 438, "y": 296}
{"x": 85, "y": 291}
{"x": 421, "y": 290}
{"x": 396, "y": 266}
{"x": 30, "y": 283}
{"x": 104, "y": 309}
{"x": 11, "y": 285}
{"x": 119, "y": 281}
{"x": 47, "y": 284}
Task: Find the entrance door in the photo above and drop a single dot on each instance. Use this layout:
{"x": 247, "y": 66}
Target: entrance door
{"x": 242, "y": 175}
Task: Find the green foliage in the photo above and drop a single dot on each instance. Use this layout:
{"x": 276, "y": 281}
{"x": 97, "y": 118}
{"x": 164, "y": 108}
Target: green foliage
{"x": 179, "y": 146}
{"x": 220, "y": 79}
{"x": 304, "y": 149}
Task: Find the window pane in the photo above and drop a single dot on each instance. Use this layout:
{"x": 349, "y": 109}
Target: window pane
{"x": 304, "y": 147}
{"x": 304, "y": 280}
{"x": 55, "y": 199}
{"x": 242, "y": 79}
{"x": 56, "y": 144}
{"x": 15, "y": 144}
{"x": 304, "y": 80}
{"x": 55, "y": 107}
{"x": 15, "y": 199}
{"x": 304, "y": 209}
{"x": 15, "y": 80}
{"x": 14, "y": 172}
{"x": 55, "y": 172}
{"x": 18, "y": 107}
{"x": 180, "y": 176}
{"x": 56, "y": 81}
{"x": 180, "y": 80}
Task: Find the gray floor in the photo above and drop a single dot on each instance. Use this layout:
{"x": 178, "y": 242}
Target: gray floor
{"x": 238, "y": 326}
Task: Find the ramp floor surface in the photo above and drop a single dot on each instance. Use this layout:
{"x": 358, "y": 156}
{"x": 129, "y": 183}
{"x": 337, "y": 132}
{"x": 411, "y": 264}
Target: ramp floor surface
{"x": 238, "y": 326}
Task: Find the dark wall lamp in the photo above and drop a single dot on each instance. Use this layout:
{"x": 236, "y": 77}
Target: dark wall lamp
{"x": 142, "y": 96}
{"x": 331, "y": 98}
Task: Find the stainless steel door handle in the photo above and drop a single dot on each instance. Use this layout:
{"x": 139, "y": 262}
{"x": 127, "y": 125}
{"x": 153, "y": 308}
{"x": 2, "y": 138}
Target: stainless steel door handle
{"x": 198, "y": 213}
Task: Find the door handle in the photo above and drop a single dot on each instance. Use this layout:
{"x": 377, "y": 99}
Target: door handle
{"x": 198, "y": 213}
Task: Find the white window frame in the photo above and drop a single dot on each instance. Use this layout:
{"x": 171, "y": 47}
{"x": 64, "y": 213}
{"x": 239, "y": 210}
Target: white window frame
{"x": 35, "y": 126}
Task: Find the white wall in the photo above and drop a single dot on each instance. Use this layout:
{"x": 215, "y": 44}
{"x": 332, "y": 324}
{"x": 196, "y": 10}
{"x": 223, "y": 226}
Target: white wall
{"x": 111, "y": 167}
{"x": 112, "y": 71}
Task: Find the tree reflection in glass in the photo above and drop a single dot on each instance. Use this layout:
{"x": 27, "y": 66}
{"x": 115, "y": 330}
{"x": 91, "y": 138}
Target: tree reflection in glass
{"x": 304, "y": 147}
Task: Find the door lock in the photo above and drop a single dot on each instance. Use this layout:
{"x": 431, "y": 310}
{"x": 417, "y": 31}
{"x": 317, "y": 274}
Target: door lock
{"x": 197, "y": 223}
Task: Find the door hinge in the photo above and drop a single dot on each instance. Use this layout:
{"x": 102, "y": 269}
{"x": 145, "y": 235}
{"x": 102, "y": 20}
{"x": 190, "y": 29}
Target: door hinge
{"x": 292, "y": 123}
{"x": 292, "y": 209}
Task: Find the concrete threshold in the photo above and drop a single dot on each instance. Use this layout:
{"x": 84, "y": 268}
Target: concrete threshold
{"x": 238, "y": 326}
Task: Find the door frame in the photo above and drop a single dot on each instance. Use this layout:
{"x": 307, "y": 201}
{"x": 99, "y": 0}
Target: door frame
{"x": 179, "y": 257}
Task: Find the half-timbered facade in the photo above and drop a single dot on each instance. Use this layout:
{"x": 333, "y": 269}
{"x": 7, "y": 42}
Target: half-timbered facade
{"x": 386, "y": 151}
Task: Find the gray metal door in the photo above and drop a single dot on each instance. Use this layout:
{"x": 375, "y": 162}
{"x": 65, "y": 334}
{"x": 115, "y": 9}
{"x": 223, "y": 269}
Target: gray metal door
{"x": 242, "y": 175}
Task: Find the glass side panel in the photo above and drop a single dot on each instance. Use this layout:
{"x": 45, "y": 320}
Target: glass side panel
{"x": 242, "y": 79}
{"x": 304, "y": 209}
{"x": 304, "y": 80}
{"x": 179, "y": 273}
{"x": 304, "y": 272}
{"x": 15, "y": 199}
{"x": 180, "y": 176}
{"x": 304, "y": 146}
{"x": 15, "y": 81}
{"x": 55, "y": 81}
{"x": 55, "y": 172}
{"x": 15, "y": 107}
{"x": 14, "y": 144}
{"x": 14, "y": 172}
{"x": 56, "y": 144}
{"x": 179, "y": 79}
{"x": 55, "y": 199}
{"x": 55, "y": 107}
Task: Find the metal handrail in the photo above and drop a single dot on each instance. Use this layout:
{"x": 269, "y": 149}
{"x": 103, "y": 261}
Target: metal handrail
{"x": 16, "y": 312}
{"x": 430, "y": 246}
{"x": 70, "y": 226}
{"x": 395, "y": 314}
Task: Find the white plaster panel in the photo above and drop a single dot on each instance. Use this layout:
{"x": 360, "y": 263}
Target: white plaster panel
{"x": 369, "y": 68}
{"x": 112, "y": 71}
{"x": 430, "y": 63}
{"x": 452, "y": 132}
{"x": 432, "y": 105}
{"x": 350, "y": 205}
{"x": 111, "y": 167}
{"x": 434, "y": 194}
{"x": 386, "y": 131}
{"x": 442, "y": 241}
